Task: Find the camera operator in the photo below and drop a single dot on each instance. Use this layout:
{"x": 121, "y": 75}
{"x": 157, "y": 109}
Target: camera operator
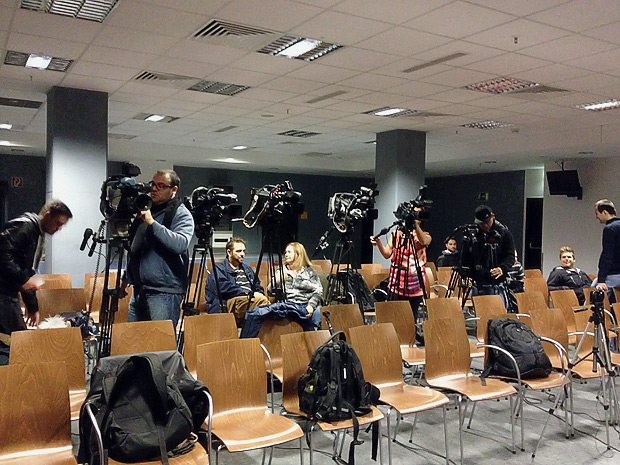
{"x": 496, "y": 254}
{"x": 403, "y": 282}
{"x": 235, "y": 279}
{"x": 609, "y": 261}
{"x": 158, "y": 258}
{"x": 21, "y": 248}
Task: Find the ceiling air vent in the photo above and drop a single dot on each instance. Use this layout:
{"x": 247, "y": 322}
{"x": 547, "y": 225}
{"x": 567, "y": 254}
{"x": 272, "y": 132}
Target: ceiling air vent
{"x": 224, "y": 129}
{"x": 168, "y": 80}
{"x": 112, "y": 135}
{"x": 19, "y": 103}
{"x": 298, "y": 133}
{"x": 540, "y": 89}
{"x": 92, "y": 10}
{"x": 220, "y": 88}
{"x": 437, "y": 61}
{"x": 235, "y": 35}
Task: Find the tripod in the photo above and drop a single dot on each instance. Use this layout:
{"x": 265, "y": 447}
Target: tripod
{"x": 338, "y": 288}
{"x": 601, "y": 357}
{"x": 270, "y": 244}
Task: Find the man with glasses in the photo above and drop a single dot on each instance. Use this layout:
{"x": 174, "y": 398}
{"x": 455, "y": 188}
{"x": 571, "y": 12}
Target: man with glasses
{"x": 158, "y": 258}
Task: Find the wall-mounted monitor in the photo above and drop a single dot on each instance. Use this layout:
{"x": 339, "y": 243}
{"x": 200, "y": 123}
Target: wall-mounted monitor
{"x": 565, "y": 182}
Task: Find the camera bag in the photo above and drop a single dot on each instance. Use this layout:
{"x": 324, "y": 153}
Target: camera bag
{"x": 334, "y": 388}
{"x": 146, "y": 405}
{"x": 525, "y": 346}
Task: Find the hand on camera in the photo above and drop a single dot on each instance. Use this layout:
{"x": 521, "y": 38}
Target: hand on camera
{"x": 374, "y": 240}
{"x": 496, "y": 272}
{"x": 602, "y": 286}
{"x": 147, "y": 217}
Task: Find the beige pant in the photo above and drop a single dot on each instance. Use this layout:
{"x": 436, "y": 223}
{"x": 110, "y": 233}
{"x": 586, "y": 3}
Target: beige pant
{"x": 239, "y": 305}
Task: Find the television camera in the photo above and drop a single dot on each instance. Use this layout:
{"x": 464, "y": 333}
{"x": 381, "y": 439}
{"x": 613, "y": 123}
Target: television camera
{"x": 416, "y": 209}
{"x": 271, "y": 203}
{"x": 348, "y": 208}
{"x": 209, "y": 205}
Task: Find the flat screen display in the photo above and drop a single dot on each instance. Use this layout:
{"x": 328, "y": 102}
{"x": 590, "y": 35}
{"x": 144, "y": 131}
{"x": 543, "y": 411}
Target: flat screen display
{"x": 564, "y": 183}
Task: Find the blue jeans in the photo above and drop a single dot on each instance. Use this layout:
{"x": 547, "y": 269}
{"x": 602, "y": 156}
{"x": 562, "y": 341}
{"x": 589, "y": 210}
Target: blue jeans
{"x": 492, "y": 289}
{"x": 159, "y": 307}
{"x": 254, "y": 318}
{"x": 612, "y": 280}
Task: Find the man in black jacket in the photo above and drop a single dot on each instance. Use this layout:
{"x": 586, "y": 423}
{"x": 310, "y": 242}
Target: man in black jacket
{"x": 21, "y": 248}
{"x": 609, "y": 261}
{"x": 568, "y": 276}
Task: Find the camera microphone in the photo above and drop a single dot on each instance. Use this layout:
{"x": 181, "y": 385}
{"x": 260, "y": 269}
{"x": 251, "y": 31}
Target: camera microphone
{"x": 87, "y": 233}
{"x": 93, "y": 245}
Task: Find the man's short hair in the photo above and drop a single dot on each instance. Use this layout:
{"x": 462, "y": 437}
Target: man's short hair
{"x": 448, "y": 239}
{"x": 174, "y": 177}
{"x": 56, "y": 208}
{"x": 606, "y": 205}
{"x": 231, "y": 243}
{"x": 565, "y": 249}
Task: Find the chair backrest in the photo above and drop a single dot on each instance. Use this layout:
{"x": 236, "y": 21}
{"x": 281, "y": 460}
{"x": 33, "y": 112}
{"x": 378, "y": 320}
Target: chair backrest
{"x": 530, "y": 299}
{"x": 398, "y": 312}
{"x": 487, "y": 307}
{"x": 200, "y": 271}
{"x": 566, "y": 300}
{"x": 198, "y": 292}
{"x": 297, "y": 350}
{"x": 372, "y": 267}
{"x": 52, "y": 345}
{"x": 445, "y": 308}
{"x": 446, "y": 348}
{"x": 373, "y": 278}
{"x": 379, "y": 352}
{"x": 142, "y": 336}
{"x": 56, "y": 281}
{"x": 433, "y": 269}
{"x": 324, "y": 266}
{"x": 123, "y": 303}
{"x": 270, "y": 332}
{"x": 55, "y": 301}
{"x": 208, "y": 327}
{"x": 533, "y": 273}
{"x": 342, "y": 317}
{"x": 34, "y": 408}
{"x": 537, "y": 284}
{"x": 550, "y": 323}
{"x": 234, "y": 371}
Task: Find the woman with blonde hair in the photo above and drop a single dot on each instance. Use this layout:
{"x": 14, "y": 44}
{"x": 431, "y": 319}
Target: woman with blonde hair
{"x": 303, "y": 293}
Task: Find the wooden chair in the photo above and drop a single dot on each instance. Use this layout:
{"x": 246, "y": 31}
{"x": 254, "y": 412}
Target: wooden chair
{"x": 55, "y": 345}
{"x": 269, "y": 336}
{"x": 537, "y": 284}
{"x": 142, "y": 336}
{"x": 398, "y": 312}
{"x": 35, "y": 420}
{"x": 530, "y": 299}
{"x": 201, "y": 329}
{"x": 566, "y": 301}
{"x": 297, "y": 350}
{"x": 342, "y": 317}
{"x": 95, "y": 288}
{"x": 433, "y": 268}
{"x": 324, "y": 266}
{"x": 450, "y": 308}
{"x": 533, "y": 273}
{"x": 234, "y": 370}
{"x": 448, "y": 367}
{"x": 372, "y": 267}
{"x": 198, "y": 292}
{"x": 373, "y": 278}
{"x": 487, "y": 307}
{"x": 377, "y": 347}
{"x": 56, "y": 281}
{"x": 56, "y": 301}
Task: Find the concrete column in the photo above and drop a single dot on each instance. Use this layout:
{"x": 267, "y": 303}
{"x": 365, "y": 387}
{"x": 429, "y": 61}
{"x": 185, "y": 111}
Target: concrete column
{"x": 399, "y": 173}
{"x": 77, "y": 152}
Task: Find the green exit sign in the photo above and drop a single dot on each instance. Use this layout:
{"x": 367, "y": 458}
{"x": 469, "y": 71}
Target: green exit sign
{"x": 482, "y": 196}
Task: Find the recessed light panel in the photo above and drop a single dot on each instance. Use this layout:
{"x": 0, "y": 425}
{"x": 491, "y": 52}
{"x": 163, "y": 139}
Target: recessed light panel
{"x": 300, "y": 48}
{"x": 501, "y": 85}
{"x": 490, "y": 124}
{"x": 600, "y": 106}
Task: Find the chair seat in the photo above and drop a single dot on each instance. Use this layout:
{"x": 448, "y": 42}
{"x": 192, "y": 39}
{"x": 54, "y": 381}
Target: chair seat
{"x": 411, "y": 399}
{"x": 471, "y": 386}
{"x": 278, "y": 371}
{"x": 253, "y": 429}
{"x": 197, "y": 456}
{"x": 413, "y": 355}
{"x": 51, "y": 456}
{"x": 548, "y": 382}
{"x": 583, "y": 370}
{"x": 371, "y": 417}
{"x": 76, "y": 399}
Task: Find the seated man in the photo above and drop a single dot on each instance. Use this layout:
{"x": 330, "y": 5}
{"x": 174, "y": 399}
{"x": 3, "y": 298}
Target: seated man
{"x": 567, "y": 276}
{"x": 450, "y": 256}
{"x": 234, "y": 279}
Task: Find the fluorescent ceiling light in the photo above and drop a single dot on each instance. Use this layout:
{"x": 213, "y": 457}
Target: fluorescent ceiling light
{"x": 38, "y": 61}
{"x": 5, "y": 126}
{"x": 5, "y": 143}
{"x": 154, "y": 118}
{"x": 389, "y": 111}
{"x": 600, "y": 106}
{"x": 299, "y": 48}
{"x": 231, "y": 160}
{"x": 490, "y": 124}
{"x": 240, "y": 147}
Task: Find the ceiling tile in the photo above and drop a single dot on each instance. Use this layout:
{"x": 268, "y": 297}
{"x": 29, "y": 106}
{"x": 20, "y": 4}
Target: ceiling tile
{"x": 137, "y": 41}
{"x": 328, "y": 26}
{"x": 518, "y": 34}
{"x": 509, "y": 64}
{"x": 581, "y": 15}
{"x": 398, "y": 12}
{"x": 115, "y": 56}
{"x": 520, "y": 8}
{"x": 567, "y": 48}
{"x": 403, "y": 41}
{"x": 55, "y": 26}
{"x": 289, "y": 14}
{"x": 54, "y": 47}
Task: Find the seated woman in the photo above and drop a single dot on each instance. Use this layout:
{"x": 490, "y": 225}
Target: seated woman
{"x": 303, "y": 294}
{"x": 567, "y": 276}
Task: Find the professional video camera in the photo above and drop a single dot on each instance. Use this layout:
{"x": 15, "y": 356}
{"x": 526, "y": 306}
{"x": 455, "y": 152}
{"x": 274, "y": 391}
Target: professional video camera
{"x": 209, "y": 205}
{"x": 416, "y": 209}
{"x": 271, "y": 203}
{"x": 346, "y": 209}
{"x": 122, "y": 197}
{"x": 597, "y": 297}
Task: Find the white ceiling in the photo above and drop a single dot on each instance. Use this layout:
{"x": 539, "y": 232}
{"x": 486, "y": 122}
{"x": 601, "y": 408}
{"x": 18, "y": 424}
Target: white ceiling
{"x": 571, "y": 45}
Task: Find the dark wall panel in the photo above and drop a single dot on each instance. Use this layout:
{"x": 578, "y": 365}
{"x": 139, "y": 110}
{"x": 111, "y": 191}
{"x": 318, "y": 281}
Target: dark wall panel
{"x": 31, "y": 195}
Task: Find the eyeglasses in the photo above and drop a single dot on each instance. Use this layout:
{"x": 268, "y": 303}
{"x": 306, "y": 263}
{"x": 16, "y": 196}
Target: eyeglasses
{"x": 160, "y": 185}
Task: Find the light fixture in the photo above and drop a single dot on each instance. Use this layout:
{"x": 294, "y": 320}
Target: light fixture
{"x": 231, "y": 160}
{"x": 154, "y": 118}
{"x": 5, "y": 143}
{"x": 240, "y": 147}
{"x": 390, "y": 111}
{"x": 38, "y": 61}
{"x": 600, "y": 106}
{"x": 489, "y": 124}
{"x": 300, "y": 48}
{"x": 6, "y": 125}
{"x": 502, "y": 85}
{"x": 93, "y": 10}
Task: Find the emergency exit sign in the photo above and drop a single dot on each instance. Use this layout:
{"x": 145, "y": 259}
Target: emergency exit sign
{"x": 482, "y": 196}
{"x": 17, "y": 181}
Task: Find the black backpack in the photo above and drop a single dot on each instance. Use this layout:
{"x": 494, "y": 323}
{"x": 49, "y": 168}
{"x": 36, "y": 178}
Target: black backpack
{"x": 525, "y": 346}
{"x": 145, "y": 405}
{"x": 334, "y": 388}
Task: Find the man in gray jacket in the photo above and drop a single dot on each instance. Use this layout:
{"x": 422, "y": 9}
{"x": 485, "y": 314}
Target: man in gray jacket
{"x": 158, "y": 258}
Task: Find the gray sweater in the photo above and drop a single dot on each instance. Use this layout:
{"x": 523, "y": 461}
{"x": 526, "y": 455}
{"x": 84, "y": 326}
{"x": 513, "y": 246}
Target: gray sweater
{"x": 305, "y": 288}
